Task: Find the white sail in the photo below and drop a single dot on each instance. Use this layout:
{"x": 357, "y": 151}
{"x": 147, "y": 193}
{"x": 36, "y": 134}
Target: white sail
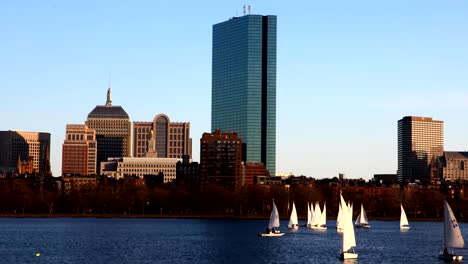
{"x": 312, "y": 213}
{"x": 323, "y": 218}
{"x": 293, "y": 219}
{"x": 358, "y": 220}
{"x": 339, "y": 224}
{"x": 403, "y": 218}
{"x": 317, "y": 215}
{"x": 349, "y": 239}
{"x": 363, "y": 215}
{"x": 309, "y": 214}
{"x": 274, "y": 217}
{"x": 452, "y": 234}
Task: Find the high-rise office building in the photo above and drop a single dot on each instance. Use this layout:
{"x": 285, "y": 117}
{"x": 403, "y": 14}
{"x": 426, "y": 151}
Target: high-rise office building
{"x": 244, "y": 84}
{"x": 113, "y": 130}
{"x": 20, "y": 146}
{"x": 79, "y": 151}
{"x": 420, "y": 143}
{"x": 171, "y": 139}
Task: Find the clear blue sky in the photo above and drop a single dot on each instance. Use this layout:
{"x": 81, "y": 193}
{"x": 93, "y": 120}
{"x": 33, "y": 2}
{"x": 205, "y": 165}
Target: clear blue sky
{"x": 347, "y": 71}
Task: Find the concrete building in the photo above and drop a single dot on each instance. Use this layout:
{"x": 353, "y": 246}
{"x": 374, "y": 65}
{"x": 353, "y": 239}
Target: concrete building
{"x": 79, "y": 151}
{"x": 120, "y": 168}
{"x": 221, "y": 158}
{"x": 420, "y": 143}
{"x": 113, "y": 130}
{"x": 244, "y": 84}
{"x": 453, "y": 166}
{"x": 20, "y": 147}
{"x": 171, "y": 139}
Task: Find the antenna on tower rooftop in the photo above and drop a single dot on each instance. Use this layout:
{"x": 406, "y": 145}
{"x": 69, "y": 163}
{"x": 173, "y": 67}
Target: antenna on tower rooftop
{"x": 244, "y": 10}
{"x": 249, "y": 8}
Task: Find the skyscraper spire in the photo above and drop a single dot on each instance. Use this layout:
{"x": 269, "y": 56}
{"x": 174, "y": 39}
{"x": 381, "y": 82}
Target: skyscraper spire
{"x": 109, "y": 94}
{"x": 109, "y": 97}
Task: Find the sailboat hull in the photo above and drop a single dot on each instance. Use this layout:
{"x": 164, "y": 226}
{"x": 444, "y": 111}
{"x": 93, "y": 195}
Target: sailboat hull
{"x": 450, "y": 257}
{"x": 294, "y": 227}
{"x": 348, "y": 255}
{"x": 405, "y": 227}
{"x": 271, "y": 234}
{"x": 362, "y": 225}
{"x": 318, "y": 227}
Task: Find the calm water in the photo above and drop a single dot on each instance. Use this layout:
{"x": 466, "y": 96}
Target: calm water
{"x": 76, "y": 240}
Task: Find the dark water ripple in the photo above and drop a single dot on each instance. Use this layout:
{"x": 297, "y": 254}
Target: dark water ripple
{"x": 89, "y": 240}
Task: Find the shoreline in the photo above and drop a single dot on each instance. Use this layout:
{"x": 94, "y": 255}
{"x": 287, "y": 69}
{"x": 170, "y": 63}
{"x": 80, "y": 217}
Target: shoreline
{"x": 195, "y": 216}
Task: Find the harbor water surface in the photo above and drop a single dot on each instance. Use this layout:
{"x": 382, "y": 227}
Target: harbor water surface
{"x": 127, "y": 240}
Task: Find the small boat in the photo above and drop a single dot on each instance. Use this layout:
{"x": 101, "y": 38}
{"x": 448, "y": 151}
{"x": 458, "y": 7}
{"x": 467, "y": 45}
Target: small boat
{"x": 273, "y": 224}
{"x": 361, "y": 220}
{"x": 293, "y": 222}
{"x": 404, "y": 225}
{"x": 349, "y": 239}
{"x": 319, "y": 222}
{"x": 452, "y": 236}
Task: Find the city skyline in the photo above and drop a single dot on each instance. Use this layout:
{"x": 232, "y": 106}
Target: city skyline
{"x": 346, "y": 74}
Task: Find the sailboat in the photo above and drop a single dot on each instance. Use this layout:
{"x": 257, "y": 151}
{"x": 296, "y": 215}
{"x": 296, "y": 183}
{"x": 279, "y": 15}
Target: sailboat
{"x": 272, "y": 224}
{"x": 349, "y": 240}
{"x": 293, "y": 223}
{"x": 339, "y": 222}
{"x": 452, "y": 236}
{"x": 320, "y": 218}
{"x": 404, "y": 225}
{"x": 361, "y": 220}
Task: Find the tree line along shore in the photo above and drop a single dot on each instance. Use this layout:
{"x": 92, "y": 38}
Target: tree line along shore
{"x": 44, "y": 198}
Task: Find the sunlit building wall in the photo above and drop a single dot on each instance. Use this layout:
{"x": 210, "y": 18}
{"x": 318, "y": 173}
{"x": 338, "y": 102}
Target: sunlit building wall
{"x": 20, "y": 146}
{"x": 420, "y": 143}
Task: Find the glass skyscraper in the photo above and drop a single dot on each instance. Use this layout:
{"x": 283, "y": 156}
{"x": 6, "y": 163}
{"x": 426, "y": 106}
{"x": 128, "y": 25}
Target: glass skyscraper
{"x": 244, "y": 84}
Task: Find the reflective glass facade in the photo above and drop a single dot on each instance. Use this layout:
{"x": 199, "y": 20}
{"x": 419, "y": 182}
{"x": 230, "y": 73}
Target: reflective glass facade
{"x": 244, "y": 84}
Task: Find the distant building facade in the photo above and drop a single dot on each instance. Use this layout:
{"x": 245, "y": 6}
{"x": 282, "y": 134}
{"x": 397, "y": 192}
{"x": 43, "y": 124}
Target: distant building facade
{"x": 120, "y": 168}
{"x": 221, "y": 158}
{"x": 113, "y": 130}
{"x": 420, "y": 143}
{"x": 386, "y": 178}
{"x": 20, "y": 147}
{"x": 253, "y": 170}
{"x": 187, "y": 172}
{"x": 79, "y": 182}
{"x": 172, "y": 139}
{"x": 244, "y": 84}
{"x": 79, "y": 151}
{"x": 453, "y": 166}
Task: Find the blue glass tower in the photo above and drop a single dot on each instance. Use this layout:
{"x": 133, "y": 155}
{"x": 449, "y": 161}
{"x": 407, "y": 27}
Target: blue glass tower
{"x": 244, "y": 84}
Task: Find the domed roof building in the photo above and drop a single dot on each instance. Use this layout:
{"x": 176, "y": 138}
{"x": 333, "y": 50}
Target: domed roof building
{"x": 113, "y": 130}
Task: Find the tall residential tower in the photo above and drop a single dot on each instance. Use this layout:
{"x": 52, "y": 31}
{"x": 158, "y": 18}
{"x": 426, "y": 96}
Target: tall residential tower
{"x": 420, "y": 143}
{"x": 244, "y": 84}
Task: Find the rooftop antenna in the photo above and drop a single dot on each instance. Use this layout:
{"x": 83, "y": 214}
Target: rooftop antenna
{"x": 244, "y": 10}
{"x": 248, "y": 9}
{"x": 109, "y": 94}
